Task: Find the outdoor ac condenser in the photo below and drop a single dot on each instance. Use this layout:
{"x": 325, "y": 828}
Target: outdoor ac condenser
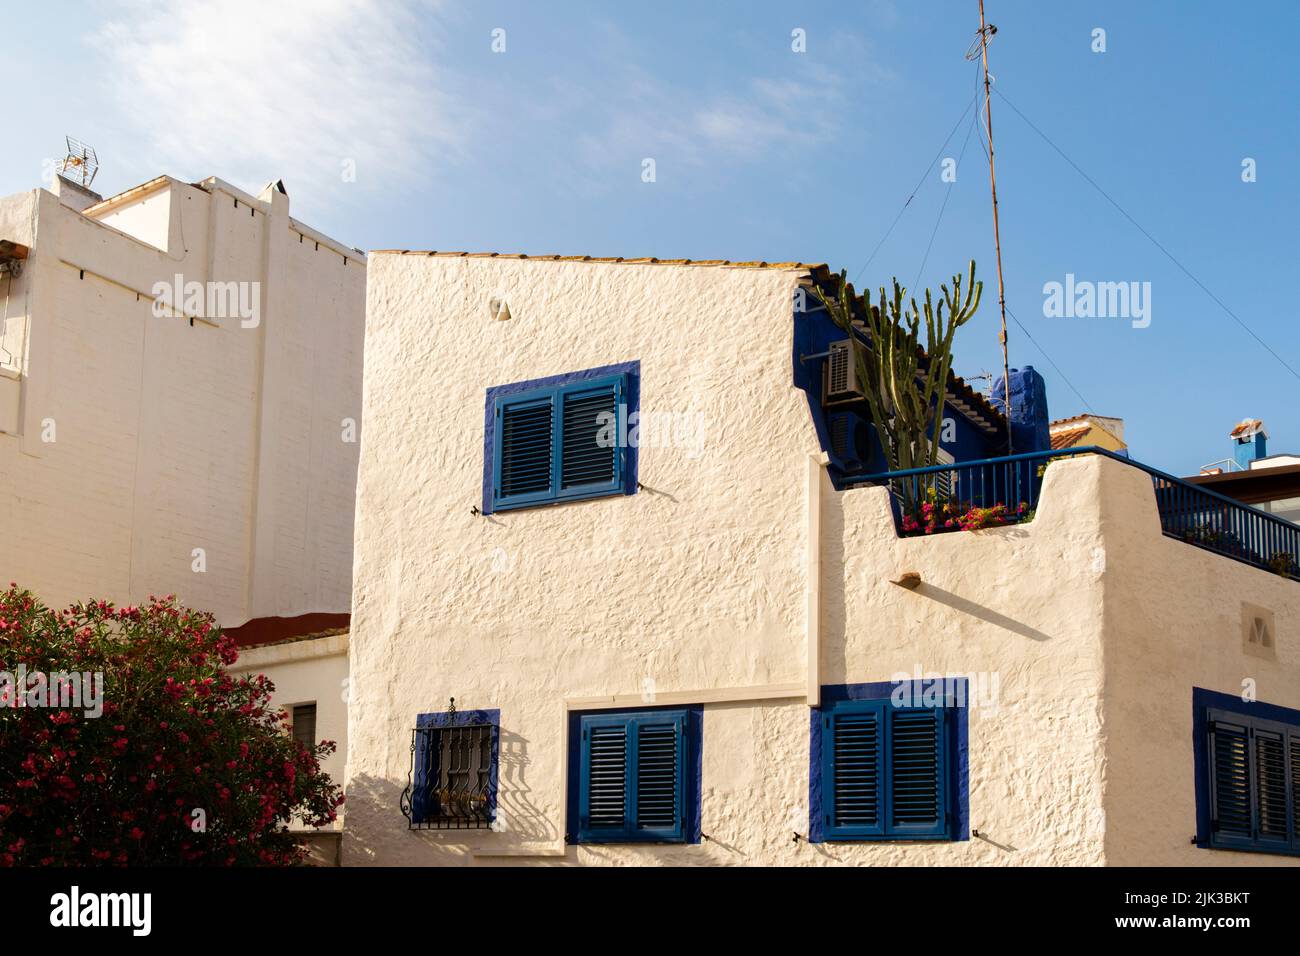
{"x": 850, "y": 442}
{"x": 840, "y": 376}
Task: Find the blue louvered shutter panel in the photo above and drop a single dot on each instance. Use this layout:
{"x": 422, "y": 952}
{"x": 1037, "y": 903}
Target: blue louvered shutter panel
{"x": 1293, "y": 767}
{"x": 1232, "y": 802}
{"x": 916, "y": 795}
{"x": 1272, "y": 823}
{"x": 659, "y": 778}
{"x": 632, "y": 778}
{"x": 525, "y": 450}
{"x": 853, "y": 764}
{"x": 590, "y": 453}
{"x": 605, "y": 778}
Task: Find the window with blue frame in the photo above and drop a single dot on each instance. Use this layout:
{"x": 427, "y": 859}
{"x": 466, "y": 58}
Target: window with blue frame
{"x": 452, "y": 781}
{"x": 636, "y": 778}
{"x": 887, "y": 765}
{"x": 560, "y": 439}
{"x": 1248, "y": 774}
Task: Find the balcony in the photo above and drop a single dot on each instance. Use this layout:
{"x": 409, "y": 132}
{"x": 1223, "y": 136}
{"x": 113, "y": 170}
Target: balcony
{"x": 1004, "y": 491}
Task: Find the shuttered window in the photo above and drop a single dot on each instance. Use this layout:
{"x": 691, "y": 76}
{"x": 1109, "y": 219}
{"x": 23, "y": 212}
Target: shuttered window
{"x": 633, "y": 783}
{"x": 1254, "y": 782}
{"x": 304, "y": 724}
{"x": 886, "y": 771}
{"x": 559, "y": 443}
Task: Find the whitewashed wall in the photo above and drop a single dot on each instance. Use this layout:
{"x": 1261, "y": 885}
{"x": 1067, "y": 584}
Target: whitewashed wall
{"x": 171, "y": 436}
{"x": 699, "y": 589}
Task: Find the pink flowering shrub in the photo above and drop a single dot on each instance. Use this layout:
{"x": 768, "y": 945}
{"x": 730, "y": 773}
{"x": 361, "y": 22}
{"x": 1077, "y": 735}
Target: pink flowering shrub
{"x": 935, "y": 515}
{"x": 186, "y": 764}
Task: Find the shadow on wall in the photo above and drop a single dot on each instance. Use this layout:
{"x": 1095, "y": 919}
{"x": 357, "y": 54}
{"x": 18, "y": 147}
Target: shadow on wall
{"x": 966, "y": 606}
{"x": 376, "y": 832}
{"x": 521, "y": 819}
{"x": 836, "y": 586}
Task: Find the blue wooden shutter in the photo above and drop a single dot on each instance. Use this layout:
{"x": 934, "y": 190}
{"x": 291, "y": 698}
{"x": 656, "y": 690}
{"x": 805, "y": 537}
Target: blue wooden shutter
{"x": 590, "y": 451}
{"x": 1271, "y": 812}
{"x": 525, "y": 449}
{"x": 605, "y": 772}
{"x": 853, "y": 766}
{"x": 632, "y": 778}
{"x": 1231, "y": 808}
{"x": 659, "y": 774}
{"x": 1294, "y": 763}
{"x": 916, "y": 796}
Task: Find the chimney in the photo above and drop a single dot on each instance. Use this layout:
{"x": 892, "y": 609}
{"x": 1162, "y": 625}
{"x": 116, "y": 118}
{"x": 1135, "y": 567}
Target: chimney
{"x": 74, "y": 195}
{"x": 1249, "y": 442}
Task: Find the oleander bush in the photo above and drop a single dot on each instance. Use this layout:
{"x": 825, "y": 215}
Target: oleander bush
{"x": 173, "y": 762}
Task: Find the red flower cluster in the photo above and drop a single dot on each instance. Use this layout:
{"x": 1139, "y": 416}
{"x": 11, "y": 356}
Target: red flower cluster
{"x": 186, "y": 765}
{"x": 934, "y": 516}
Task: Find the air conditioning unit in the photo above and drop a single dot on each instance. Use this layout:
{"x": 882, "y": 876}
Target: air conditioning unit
{"x": 851, "y": 441}
{"x": 840, "y": 376}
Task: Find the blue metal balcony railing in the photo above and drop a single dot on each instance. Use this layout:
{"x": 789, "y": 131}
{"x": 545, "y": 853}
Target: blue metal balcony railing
{"x": 1188, "y": 512}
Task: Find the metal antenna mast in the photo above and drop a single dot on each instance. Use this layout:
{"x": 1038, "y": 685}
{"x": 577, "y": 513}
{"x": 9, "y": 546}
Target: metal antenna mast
{"x": 985, "y": 35}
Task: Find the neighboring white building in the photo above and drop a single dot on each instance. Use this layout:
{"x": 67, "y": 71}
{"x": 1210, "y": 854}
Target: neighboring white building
{"x": 180, "y": 384}
{"x": 684, "y": 653}
{"x": 311, "y": 683}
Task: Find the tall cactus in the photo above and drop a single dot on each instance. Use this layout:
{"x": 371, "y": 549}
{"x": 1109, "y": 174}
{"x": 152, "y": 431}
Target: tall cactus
{"x": 905, "y": 396}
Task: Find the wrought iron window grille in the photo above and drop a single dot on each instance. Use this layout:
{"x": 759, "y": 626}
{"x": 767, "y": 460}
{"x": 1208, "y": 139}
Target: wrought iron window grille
{"x": 450, "y": 783}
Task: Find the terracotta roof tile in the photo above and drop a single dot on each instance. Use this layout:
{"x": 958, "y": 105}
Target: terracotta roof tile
{"x": 1247, "y": 428}
{"x": 818, "y": 269}
{"x": 1068, "y": 437}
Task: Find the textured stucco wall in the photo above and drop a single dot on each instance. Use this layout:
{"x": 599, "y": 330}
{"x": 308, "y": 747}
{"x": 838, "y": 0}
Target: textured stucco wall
{"x": 697, "y": 587}
{"x": 1174, "y": 622}
{"x": 1018, "y": 610}
{"x": 1082, "y": 632}
{"x": 171, "y": 436}
{"x": 694, "y": 582}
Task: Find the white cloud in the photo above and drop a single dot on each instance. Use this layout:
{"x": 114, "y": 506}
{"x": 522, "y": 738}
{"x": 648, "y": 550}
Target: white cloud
{"x": 257, "y": 90}
{"x": 633, "y": 112}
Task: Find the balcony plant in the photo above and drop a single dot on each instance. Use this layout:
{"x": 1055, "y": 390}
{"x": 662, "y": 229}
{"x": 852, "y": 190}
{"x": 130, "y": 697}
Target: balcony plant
{"x": 938, "y": 514}
{"x": 904, "y": 386}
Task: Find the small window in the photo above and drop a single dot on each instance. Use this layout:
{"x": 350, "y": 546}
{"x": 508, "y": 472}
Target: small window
{"x": 304, "y": 724}
{"x": 560, "y": 439}
{"x": 886, "y": 770}
{"x": 453, "y": 776}
{"x": 1248, "y": 759}
{"x": 637, "y": 777}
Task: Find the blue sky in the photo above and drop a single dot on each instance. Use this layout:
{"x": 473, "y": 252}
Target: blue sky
{"x": 760, "y": 153}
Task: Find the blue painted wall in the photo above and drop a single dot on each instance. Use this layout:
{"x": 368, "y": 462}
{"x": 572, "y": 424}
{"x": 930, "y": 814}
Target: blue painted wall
{"x": 1244, "y": 452}
{"x": 1029, "y": 415}
{"x": 814, "y": 331}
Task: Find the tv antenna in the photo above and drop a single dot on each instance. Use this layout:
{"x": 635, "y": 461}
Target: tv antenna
{"x": 81, "y": 161}
{"x": 982, "y": 40}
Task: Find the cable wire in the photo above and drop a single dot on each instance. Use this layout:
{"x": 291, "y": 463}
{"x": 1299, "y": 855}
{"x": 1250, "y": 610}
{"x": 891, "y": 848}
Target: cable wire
{"x": 1169, "y": 255}
{"x": 919, "y": 183}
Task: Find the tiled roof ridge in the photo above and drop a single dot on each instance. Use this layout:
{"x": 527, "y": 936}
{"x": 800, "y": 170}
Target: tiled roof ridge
{"x": 818, "y": 269}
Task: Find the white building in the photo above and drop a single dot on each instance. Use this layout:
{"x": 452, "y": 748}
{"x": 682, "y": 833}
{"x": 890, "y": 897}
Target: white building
{"x": 685, "y": 650}
{"x": 180, "y": 383}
